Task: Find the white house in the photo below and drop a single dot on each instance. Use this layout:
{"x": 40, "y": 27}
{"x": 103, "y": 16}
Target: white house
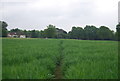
{"x": 22, "y": 36}
{"x": 16, "y": 35}
{"x": 13, "y": 35}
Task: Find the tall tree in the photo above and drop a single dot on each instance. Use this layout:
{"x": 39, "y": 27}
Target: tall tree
{"x": 80, "y": 33}
{"x": 104, "y": 33}
{"x": 50, "y": 32}
{"x": 42, "y": 34}
{"x": 76, "y": 33}
{"x": 4, "y": 25}
{"x": 15, "y": 30}
{"x": 90, "y": 32}
{"x": 72, "y": 33}
{"x": 35, "y": 34}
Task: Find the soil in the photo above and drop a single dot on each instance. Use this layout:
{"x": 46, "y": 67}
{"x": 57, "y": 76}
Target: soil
{"x": 58, "y": 69}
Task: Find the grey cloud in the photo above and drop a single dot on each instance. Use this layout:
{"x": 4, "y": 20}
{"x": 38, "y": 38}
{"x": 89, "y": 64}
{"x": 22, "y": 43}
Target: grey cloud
{"x": 80, "y": 13}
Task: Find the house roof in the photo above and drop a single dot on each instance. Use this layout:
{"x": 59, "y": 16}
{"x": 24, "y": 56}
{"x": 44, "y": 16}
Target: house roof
{"x": 16, "y": 33}
{"x": 12, "y": 33}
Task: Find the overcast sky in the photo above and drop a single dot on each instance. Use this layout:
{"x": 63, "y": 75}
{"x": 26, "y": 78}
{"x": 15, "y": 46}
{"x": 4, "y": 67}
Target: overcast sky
{"x": 37, "y": 14}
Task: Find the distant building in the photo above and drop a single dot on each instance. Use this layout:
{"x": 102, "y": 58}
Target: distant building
{"x": 60, "y": 33}
{"x": 22, "y": 36}
{"x": 16, "y": 35}
{"x": 13, "y": 35}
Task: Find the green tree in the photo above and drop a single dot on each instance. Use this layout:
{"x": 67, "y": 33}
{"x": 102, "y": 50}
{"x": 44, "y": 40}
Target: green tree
{"x": 15, "y": 30}
{"x": 80, "y": 33}
{"x": 42, "y": 35}
{"x": 35, "y": 34}
{"x": 90, "y": 32}
{"x": 76, "y": 33}
{"x": 104, "y": 33}
{"x": 4, "y": 25}
{"x": 72, "y": 33}
{"x": 50, "y": 32}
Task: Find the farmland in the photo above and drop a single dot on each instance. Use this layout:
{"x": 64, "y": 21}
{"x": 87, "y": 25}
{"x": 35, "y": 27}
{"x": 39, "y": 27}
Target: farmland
{"x": 59, "y": 59}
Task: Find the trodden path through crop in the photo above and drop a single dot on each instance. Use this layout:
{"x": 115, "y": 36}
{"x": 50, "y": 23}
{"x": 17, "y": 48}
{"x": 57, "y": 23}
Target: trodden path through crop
{"x": 58, "y": 69}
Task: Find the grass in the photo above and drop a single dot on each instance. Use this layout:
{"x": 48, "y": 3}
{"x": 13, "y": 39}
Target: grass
{"x": 29, "y": 58}
{"x": 81, "y": 59}
{"x": 90, "y": 60}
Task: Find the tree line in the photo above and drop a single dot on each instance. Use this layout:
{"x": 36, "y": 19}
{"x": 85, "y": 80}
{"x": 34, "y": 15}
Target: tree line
{"x": 89, "y": 32}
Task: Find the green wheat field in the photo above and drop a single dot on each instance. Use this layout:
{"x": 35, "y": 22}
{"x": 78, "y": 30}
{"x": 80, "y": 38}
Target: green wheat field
{"x": 76, "y": 59}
